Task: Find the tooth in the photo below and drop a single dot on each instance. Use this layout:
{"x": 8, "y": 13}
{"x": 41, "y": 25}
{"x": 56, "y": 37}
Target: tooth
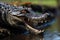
{"x": 1, "y": 30}
{"x": 45, "y": 21}
{"x": 41, "y": 21}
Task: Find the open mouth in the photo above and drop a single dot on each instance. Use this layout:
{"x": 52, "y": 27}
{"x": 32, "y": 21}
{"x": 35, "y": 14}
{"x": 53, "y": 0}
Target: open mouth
{"x": 41, "y": 21}
{"x": 36, "y": 23}
{"x": 35, "y": 19}
{"x": 27, "y": 16}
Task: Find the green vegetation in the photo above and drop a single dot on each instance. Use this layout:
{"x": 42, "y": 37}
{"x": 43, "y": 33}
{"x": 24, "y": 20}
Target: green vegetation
{"x": 40, "y": 2}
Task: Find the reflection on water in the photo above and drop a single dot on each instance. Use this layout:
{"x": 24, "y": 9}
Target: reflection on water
{"x": 51, "y": 35}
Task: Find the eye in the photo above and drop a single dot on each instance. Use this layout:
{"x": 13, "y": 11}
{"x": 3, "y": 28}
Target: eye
{"x": 24, "y": 11}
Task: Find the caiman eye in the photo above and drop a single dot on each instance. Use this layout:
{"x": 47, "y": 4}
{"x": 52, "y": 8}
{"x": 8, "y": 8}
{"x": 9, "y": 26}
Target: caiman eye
{"x": 24, "y": 11}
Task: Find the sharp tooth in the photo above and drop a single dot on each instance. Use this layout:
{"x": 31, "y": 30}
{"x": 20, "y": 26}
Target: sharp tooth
{"x": 45, "y": 21}
{"x": 42, "y": 21}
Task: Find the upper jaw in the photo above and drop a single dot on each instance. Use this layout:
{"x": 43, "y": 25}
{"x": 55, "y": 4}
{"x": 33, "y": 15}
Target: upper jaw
{"x": 40, "y": 20}
{"x": 39, "y": 17}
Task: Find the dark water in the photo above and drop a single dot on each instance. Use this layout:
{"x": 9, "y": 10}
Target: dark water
{"x": 51, "y": 35}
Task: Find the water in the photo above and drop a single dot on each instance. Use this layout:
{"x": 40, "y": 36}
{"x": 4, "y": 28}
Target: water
{"x": 51, "y": 35}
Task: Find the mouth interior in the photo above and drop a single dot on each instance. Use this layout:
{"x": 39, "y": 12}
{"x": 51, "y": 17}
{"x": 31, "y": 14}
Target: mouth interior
{"x": 38, "y": 22}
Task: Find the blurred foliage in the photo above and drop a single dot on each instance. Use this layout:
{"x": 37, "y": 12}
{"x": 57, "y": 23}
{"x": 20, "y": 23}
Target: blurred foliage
{"x": 40, "y": 2}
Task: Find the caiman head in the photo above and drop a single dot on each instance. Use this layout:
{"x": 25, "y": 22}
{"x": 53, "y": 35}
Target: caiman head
{"x": 30, "y": 17}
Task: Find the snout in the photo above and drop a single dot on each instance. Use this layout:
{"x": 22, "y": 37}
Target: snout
{"x": 38, "y": 21}
{"x": 33, "y": 23}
